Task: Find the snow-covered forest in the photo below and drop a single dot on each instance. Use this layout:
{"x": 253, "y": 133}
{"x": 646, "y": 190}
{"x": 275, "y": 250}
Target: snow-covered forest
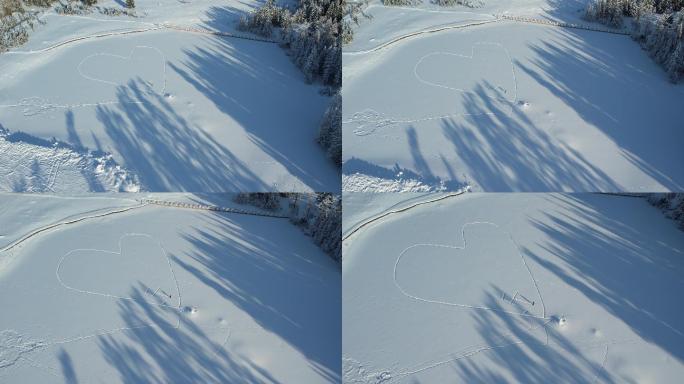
{"x": 312, "y": 34}
{"x": 658, "y": 25}
{"x": 319, "y": 215}
{"x": 672, "y": 205}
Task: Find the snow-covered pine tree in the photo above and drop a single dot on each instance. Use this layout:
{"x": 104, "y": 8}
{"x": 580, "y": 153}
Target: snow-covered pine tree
{"x": 671, "y": 204}
{"x": 330, "y": 134}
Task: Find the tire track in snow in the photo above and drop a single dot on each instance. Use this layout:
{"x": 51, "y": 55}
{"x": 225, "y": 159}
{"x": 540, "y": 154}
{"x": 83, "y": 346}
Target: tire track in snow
{"x": 68, "y": 222}
{"x": 129, "y": 57}
{"x": 154, "y": 27}
{"x": 370, "y": 116}
{"x": 496, "y": 18}
{"x": 471, "y": 351}
{"x": 418, "y": 33}
{"x": 120, "y": 252}
{"x": 399, "y": 210}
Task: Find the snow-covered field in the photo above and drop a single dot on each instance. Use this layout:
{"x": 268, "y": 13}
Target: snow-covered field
{"x": 437, "y": 98}
{"x": 170, "y": 97}
{"x": 102, "y": 289}
{"x": 524, "y": 288}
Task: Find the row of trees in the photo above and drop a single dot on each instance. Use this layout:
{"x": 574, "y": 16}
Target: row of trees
{"x": 318, "y": 214}
{"x": 441, "y": 3}
{"x": 658, "y": 25}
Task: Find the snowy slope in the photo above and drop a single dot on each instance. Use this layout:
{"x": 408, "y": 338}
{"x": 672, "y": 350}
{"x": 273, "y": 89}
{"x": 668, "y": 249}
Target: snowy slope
{"x": 171, "y": 98}
{"x": 161, "y": 294}
{"x": 515, "y": 288}
{"x": 464, "y": 96}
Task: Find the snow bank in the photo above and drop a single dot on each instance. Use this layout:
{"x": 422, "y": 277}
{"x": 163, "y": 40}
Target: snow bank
{"x": 28, "y": 164}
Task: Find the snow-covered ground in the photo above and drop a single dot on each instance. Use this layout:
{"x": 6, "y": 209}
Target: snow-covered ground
{"x": 49, "y": 166}
{"x": 170, "y": 97}
{"x": 102, "y": 289}
{"x": 463, "y": 95}
{"x": 525, "y": 288}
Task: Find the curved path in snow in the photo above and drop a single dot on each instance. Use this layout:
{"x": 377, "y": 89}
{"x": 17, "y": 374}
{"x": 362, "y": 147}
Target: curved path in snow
{"x": 143, "y": 203}
{"x": 463, "y": 247}
{"x": 496, "y": 18}
{"x": 399, "y": 210}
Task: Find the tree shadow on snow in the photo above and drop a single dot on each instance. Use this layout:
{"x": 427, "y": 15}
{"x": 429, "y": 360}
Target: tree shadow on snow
{"x": 256, "y": 84}
{"x": 170, "y": 351}
{"x": 528, "y": 351}
{"x": 616, "y": 87}
{"x": 284, "y": 291}
{"x": 253, "y": 84}
{"x": 606, "y": 80}
{"x": 168, "y": 152}
{"x": 508, "y": 152}
{"x": 602, "y": 249}
{"x": 630, "y": 269}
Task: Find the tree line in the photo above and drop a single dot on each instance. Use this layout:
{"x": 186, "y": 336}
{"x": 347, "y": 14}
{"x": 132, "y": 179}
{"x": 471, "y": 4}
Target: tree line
{"x": 319, "y": 215}
{"x": 657, "y": 25}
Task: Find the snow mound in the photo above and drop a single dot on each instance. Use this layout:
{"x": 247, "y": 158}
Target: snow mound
{"x": 34, "y": 165}
{"x": 363, "y": 183}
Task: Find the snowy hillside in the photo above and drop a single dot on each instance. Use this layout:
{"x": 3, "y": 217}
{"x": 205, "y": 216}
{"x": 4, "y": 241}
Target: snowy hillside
{"x": 175, "y": 95}
{"x": 520, "y": 288}
{"x": 509, "y": 96}
{"x": 109, "y": 290}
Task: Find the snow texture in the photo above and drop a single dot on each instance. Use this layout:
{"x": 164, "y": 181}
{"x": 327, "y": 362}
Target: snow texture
{"x": 511, "y": 96}
{"x": 176, "y": 96}
{"x": 112, "y": 290}
{"x": 575, "y": 288}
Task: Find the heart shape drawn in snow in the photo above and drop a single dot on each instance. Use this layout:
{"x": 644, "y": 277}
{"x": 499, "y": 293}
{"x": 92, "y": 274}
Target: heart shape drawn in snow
{"x": 145, "y": 63}
{"x": 487, "y": 72}
{"x": 139, "y": 262}
{"x": 486, "y": 272}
